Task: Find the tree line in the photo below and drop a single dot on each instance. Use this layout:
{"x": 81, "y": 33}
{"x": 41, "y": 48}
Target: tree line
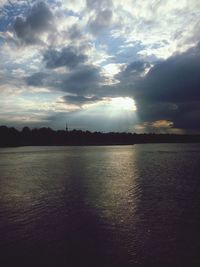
{"x": 9, "y": 136}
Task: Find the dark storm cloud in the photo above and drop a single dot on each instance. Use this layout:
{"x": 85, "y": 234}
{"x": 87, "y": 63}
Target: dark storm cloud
{"x": 184, "y": 116}
{"x": 67, "y": 57}
{"x": 188, "y": 116}
{"x": 39, "y": 20}
{"x": 80, "y": 100}
{"x": 170, "y": 90}
{"x": 176, "y": 79}
{"x": 149, "y": 110}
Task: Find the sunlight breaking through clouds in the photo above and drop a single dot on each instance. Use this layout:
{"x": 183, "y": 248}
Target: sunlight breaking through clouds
{"x": 102, "y": 55}
{"x": 123, "y": 103}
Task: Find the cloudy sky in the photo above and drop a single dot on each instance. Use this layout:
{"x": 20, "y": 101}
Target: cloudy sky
{"x": 105, "y": 65}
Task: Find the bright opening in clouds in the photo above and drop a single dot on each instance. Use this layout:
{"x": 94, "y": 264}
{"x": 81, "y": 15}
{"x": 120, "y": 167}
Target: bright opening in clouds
{"x": 101, "y": 64}
{"x": 123, "y": 103}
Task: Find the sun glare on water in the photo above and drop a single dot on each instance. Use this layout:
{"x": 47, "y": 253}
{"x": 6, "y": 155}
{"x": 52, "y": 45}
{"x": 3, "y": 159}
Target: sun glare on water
{"x": 123, "y": 103}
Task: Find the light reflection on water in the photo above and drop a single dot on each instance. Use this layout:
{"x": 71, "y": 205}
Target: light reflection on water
{"x": 100, "y": 206}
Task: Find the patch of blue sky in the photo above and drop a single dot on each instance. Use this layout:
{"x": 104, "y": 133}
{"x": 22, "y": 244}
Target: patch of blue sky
{"x": 111, "y": 45}
{"x": 118, "y": 49}
{"x": 10, "y": 12}
{"x": 43, "y": 96}
{"x": 1, "y": 40}
{"x": 71, "y": 13}
{"x": 129, "y": 52}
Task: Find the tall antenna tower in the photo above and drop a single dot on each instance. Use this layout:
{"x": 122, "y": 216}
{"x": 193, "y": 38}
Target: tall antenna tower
{"x": 66, "y": 127}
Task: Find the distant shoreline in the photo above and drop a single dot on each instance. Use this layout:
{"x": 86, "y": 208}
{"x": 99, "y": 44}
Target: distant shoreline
{"x": 11, "y": 137}
{"x": 97, "y": 145}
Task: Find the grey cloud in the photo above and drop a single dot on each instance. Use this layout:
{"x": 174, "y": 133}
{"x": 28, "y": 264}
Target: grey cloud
{"x": 80, "y": 100}
{"x": 39, "y": 20}
{"x": 85, "y": 79}
{"x": 102, "y": 17}
{"x": 67, "y": 57}
{"x": 97, "y": 4}
{"x": 74, "y": 33}
{"x": 133, "y": 72}
{"x": 37, "y": 79}
{"x": 101, "y": 21}
{"x": 136, "y": 67}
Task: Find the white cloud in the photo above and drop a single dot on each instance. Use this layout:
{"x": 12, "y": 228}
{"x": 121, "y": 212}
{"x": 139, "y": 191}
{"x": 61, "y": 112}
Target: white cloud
{"x": 163, "y": 27}
{"x": 76, "y": 6}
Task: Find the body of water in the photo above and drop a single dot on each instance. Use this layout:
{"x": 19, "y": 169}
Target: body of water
{"x": 109, "y": 206}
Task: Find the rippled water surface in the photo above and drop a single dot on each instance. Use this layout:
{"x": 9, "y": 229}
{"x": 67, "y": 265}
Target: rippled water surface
{"x": 111, "y": 206}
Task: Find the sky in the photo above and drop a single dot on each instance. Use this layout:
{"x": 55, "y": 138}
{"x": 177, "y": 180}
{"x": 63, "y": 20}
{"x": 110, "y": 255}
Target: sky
{"x": 101, "y": 65}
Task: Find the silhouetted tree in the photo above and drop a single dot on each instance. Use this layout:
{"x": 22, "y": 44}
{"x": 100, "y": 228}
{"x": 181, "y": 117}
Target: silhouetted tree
{"x": 47, "y": 136}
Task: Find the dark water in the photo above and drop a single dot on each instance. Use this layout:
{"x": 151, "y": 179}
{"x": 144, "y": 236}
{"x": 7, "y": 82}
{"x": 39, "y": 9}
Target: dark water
{"x": 114, "y": 206}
